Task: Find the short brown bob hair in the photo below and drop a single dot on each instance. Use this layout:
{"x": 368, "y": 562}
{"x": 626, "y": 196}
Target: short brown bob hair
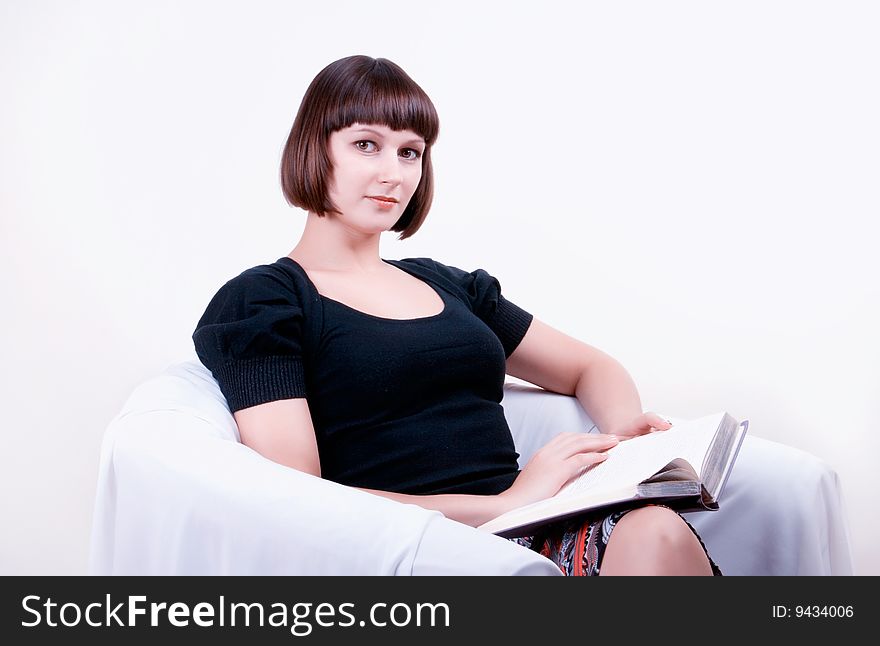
{"x": 364, "y": 90}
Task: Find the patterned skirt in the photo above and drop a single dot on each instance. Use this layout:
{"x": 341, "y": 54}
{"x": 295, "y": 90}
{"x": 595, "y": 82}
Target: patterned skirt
{"x": 577, "y": 546}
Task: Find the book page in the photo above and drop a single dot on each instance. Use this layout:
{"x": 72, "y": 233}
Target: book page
{"x": 632, "y": 461}
{"x": 616, "y": 480}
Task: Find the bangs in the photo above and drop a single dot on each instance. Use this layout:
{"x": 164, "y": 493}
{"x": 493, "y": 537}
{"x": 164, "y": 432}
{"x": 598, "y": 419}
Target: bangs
{"x": 383, "y": 95}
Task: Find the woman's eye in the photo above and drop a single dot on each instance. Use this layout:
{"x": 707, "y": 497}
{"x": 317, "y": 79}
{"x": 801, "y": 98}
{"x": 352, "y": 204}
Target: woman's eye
{"x": 412, "y": 153}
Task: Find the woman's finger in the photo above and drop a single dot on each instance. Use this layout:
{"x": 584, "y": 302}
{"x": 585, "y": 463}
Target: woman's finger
{"x": 593, "y": 458}
{"x": 657, "y": 422}
{"x": 579, "y": 439}
{"x": 581, "y": 460}
{"x": 581, "y": 463}
{"x": 644, "y": 424}
{"x": 582, "y": 443}
{"x": 593, "y": 445}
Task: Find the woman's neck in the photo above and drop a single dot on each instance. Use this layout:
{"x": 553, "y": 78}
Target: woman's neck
{"x": 328, "y": 245}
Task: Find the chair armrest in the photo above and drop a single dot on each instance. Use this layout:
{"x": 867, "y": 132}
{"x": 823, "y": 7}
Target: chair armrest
{"x": 178, "y": 495}
{"x": 782, "y": 511}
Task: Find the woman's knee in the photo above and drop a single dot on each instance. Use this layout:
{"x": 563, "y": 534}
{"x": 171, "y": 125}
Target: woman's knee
{"x": 657, "y": 541}
{"x": 654, "y": 527}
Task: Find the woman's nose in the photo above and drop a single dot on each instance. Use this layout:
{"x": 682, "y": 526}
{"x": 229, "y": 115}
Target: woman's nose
{"x": 390, "y": 168}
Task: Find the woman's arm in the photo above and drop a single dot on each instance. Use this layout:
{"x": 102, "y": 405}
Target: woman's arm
{"x": 557, "y": 362}
{"x": 609, "y": 395}
{"x": 282, "y": 431}
{"x": 554, "y": 464}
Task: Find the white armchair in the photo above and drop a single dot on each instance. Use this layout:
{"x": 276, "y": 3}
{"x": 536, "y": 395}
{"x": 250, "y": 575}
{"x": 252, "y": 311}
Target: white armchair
{"x": 179, "y": 494}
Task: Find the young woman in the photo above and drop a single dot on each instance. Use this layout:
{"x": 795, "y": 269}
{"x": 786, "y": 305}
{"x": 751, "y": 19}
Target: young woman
{"x": 387, "y": 375}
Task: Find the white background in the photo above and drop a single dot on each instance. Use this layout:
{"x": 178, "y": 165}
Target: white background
{"x": 691, "y": 187}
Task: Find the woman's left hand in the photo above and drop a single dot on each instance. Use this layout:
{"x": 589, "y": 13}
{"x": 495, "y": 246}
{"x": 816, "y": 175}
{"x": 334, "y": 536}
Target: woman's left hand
{"x": 643, "y": 424}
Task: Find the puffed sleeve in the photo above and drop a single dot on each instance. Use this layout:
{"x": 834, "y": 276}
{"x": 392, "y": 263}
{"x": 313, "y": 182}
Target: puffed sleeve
{"x": 250, "y": 338}
{"x": 508, "y": 321}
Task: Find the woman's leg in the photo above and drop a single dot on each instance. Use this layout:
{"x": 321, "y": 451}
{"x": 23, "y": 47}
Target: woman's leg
{"x": 654, "y": 541}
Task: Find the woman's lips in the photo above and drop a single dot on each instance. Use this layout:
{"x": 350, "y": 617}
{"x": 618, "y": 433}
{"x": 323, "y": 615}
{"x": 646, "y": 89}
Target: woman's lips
{"x": 385, "y": 204}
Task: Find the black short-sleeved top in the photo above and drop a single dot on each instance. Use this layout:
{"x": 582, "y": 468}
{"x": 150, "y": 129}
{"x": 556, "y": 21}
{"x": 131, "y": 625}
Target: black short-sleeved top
{"x": 404, "y": 405}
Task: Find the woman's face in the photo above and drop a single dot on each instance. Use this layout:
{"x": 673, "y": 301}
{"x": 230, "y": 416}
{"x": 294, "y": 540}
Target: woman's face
{"x": 374, "y": 160}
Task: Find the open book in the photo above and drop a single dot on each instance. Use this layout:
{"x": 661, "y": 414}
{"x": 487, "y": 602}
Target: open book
{"x": 684, "y": 467}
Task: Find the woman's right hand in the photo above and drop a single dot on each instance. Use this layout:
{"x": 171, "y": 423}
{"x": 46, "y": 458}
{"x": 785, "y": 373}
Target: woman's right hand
{"x": 554, "y": 464}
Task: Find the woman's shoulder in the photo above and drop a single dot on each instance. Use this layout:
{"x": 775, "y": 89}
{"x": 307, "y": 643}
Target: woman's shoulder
{"x": 433, "y": 266}
{"x": 475, "y": 287}
{"x": 280, "y": 281}
{"x": 257, "y": 302}
{"x": 462, "y": 278}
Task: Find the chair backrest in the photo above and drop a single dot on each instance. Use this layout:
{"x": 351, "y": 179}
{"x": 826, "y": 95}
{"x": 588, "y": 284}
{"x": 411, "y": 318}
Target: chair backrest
{"x": 178, "y": 494}
{"x": 190, "y": 387}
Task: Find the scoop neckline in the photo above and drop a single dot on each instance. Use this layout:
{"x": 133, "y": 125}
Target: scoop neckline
{"x": 393, "y": 263}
